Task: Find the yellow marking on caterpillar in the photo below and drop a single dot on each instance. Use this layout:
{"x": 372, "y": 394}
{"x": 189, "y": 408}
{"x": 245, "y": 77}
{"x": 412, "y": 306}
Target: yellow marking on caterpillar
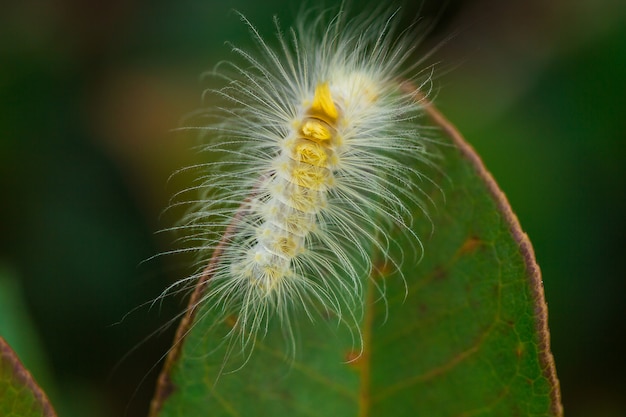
{"x": 311, "y": 153}
{"x": 320, "y": 124}
{"x": 316, "y": 130}
{"x": 305, "y": 199}
{"x": 323, "y": 105}
{"x": 309, "y": 176}
{"x": 270, "y": 278}
{"x": 287, "y": 246}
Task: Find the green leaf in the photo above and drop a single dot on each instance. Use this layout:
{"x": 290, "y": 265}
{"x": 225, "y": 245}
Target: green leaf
{"x": 469, "y": 339}
{"x": 17, "y": 328}
{"x": 20, "y": 396}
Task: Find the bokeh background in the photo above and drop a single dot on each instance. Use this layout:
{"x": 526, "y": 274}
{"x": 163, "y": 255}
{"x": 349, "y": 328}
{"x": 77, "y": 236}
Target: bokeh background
{"x": 90, "y": 92}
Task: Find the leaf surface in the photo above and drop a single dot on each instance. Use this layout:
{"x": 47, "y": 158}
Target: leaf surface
{"x": 20, "y": 396}
{"x": 469, "y": 338}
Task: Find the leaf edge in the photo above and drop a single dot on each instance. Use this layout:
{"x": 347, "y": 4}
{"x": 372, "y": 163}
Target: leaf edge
{"x": 24, "y": 376}
{"x": 546, "y": 358}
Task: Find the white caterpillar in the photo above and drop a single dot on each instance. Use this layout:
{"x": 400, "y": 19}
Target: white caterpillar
{"x": 315, "y": 158}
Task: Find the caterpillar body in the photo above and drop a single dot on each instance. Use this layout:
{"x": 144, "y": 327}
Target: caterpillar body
{"x": 314, "y": 158}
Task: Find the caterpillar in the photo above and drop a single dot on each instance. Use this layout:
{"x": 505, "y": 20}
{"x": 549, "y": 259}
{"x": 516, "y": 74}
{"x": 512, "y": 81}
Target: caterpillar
{"x": 312, "y": 158}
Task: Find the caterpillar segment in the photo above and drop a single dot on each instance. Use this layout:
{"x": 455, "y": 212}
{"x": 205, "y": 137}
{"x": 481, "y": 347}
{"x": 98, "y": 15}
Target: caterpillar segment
{"x": 297, "y": 193}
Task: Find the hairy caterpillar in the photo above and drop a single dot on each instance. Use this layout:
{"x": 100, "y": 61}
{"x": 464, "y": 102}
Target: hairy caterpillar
{"x": 313, "y": 159}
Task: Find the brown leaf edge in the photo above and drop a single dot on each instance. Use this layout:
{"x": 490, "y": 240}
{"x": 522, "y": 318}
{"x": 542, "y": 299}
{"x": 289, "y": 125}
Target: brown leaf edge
{"x": 546, "y": 359}
{"x": 22, "y": 375}
{"x": 165, "y": 386}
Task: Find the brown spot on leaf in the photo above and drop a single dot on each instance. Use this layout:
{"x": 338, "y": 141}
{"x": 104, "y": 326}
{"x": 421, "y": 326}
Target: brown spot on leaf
{"x": 440, "y": 274}
{"x": 328, "y": 315}
{"x": 382, "y": 270}
{"x": 231, "y": 320}
{"x": 354, "y": 359}
{"x": 470, "y": 245}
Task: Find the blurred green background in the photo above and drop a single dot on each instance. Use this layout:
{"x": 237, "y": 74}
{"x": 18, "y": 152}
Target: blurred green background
{"x": 90, "y": 92}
